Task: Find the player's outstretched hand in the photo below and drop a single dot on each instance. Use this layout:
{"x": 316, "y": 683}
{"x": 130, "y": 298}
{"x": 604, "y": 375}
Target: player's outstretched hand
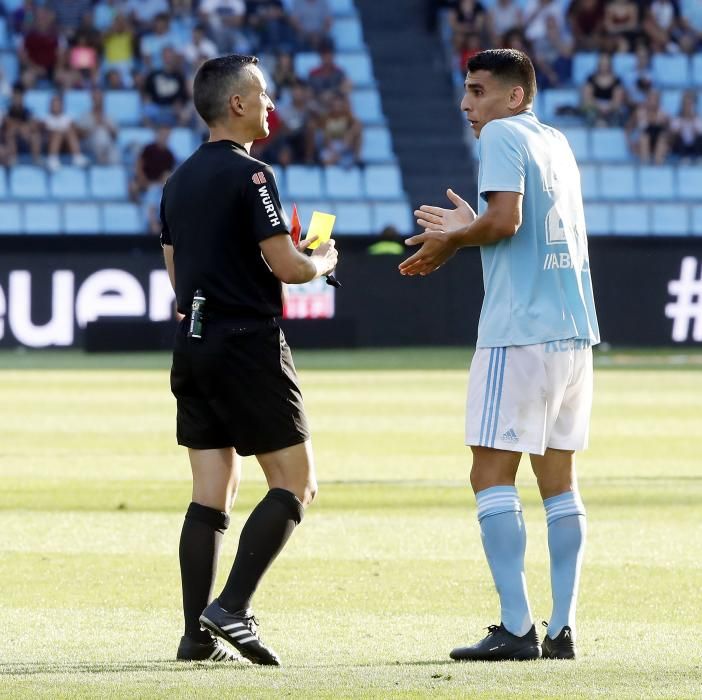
{"x": 328, "y": 254}
{"x": 437, "y": 248}
{"x": 437, "y": 218}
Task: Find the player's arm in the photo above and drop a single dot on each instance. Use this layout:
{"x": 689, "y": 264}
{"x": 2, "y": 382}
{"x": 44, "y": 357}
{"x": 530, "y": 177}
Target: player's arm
{"x": 166, "y": 242}
{"x": 291, "y": 266}
{"x": 168, "y": 259}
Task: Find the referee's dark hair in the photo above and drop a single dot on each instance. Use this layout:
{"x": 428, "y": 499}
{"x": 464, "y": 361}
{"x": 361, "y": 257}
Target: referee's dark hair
{"x": 216, "y": 81}
{"x": 507, "y": 65}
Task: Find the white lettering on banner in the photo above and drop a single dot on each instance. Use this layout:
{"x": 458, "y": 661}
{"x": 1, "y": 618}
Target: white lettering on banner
{"x": 312, "y": 300}
{"x": 268, "y": 204}
{"x": 686, "y": 310}
{"x": 109, "y": 293}
{"x": 161, "y": 296}
{"x": 59, "y": 329}
{"x": 104, "y": 293}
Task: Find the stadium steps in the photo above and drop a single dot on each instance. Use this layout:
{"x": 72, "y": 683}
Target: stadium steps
{"x": 418, "y": 101}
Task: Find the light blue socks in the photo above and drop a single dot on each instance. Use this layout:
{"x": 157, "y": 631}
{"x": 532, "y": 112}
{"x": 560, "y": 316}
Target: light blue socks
{"x": 565, "y": 517}
{"x": 504, "y": 541}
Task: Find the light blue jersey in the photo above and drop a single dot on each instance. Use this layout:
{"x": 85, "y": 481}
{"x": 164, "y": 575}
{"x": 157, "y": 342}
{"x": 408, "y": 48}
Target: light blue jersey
{"x": 537, "y": 283}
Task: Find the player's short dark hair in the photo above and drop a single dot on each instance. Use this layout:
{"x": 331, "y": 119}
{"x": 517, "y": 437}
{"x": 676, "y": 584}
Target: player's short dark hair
{"x": 216, "y": 81}
{"x": 508, "y": 65}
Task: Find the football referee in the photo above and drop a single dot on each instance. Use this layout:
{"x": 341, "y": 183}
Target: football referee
{"x": 226, "y": 241}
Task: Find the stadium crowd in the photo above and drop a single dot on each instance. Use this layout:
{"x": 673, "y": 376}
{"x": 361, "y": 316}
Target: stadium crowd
{"x": 156, "y": 47}
{"x": 553, "y": 31}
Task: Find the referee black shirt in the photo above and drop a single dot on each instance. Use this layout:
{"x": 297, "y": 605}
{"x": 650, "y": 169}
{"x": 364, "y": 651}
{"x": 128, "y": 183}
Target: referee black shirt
{"x": 215, "y": 209}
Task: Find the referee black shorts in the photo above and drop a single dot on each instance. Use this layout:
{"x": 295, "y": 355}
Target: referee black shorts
{"x": 237, "y": 387}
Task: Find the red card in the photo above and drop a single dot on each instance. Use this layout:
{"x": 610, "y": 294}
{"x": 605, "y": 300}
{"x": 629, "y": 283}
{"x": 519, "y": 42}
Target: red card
{"x": 295, "y": 226}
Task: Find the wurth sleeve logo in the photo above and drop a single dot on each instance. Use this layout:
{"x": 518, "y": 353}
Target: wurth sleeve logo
{"x": 259, "y": 178}
{"x": 268, "y": 204}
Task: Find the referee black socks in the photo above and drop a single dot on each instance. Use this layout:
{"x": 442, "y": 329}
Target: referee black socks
{"x": 199, "y": 551}
{"x": 262, "y": 538}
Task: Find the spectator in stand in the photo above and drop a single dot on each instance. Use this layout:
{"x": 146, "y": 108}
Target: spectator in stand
{"x": 686, "y": 129}
{"x": 467, "y": 17}
{"x": 328, "y": 77}
{"x": 153, "y": 42}
{"x": 99, "y": 133}
{"x": 69, "y": 14}
{"x": 667, "y": 30}
{"x": 284, "y": 78}
{"x": 83, "y": 56}
{"x": 118, "y": 47}
{"x": 164, "y": 96}
{"x": 143, "y": 13}
{"x": 21, "y": 133}
{"x": 341, "y": 134}
{"x": 622, "y": 25}
{"x": 585, "y": 21}
{"x": 62, "y": 136}
{"x": 270, "y": 24}
{"x": 41, "y": 51}
{"x": 312, "y": 22}
{"x": 603, "y": 101}
{"x": 153, "y": 165}
{"x": 639, "y": 81}
{"x": 553, "y": 61}
{"x": 515, "y": 39}
{"x": 298, "y": 116}
{"x": 648, "y": 130}
{"x": 536, "y": 16}
{"x": 501, "y": 17}
{"x": 20, "y": 20}
{"x": 225, "y": 20}
{"x": 105, "y": 12}
{"x": 114, "y": 80}
{"x": 199, "y": 49}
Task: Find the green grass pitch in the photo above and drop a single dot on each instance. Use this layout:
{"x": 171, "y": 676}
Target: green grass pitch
{"x": 386, "y": 573}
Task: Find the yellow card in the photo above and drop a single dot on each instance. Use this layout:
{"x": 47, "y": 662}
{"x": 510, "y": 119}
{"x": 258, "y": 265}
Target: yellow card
{"x": 321, "y": 225}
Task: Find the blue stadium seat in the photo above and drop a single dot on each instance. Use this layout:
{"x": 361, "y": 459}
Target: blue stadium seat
{"x": 671, "y": 70}
{"x": 689, "y": 181}
{"x": 623, "y": 65}
{"x": 579, "y": 140}
{"x": 3, "y": 184}
{"x": 353, "y": 218}
{"x": 108, "y": 182}
{"x": 340, "y": 8}
{"x": 597, "y": 218}
{"x": 42, "y": 218}
{"x": 669, "y": 220}
{"x": 656, "y": 182}
{"x": 68, "y": 183}
{"x": 618, "y": 182}
{"x": 37, "y": 101}
{"x": 304, "y": 62}
{"x": 366, "y": 105}
{"x": 609, "y": 144}
{"x": 696, "y": 219}
{"x": 9, "y": 64}
{"x": 347, "y": 34}
{"x": 77, "y": 102}
{"x": 589, "y": 182}
{"x": 4, "y": 36}
{"x": 397, "y": 214}
{"x": 343, "y": 183}
{"x": 697, "y": 69}
{"x": 134, "y": 137}
{"x": 377, "y": 145}
{"x": 303, "y": 182}
{"x": 28, "y": 182}
{"x": 123, "y": 106}
{"x": 551, "y": 100}
{"x": 305, "y": 209}
{"x": 358, "y": 68}
{"x": 81, "y": 218}
{"x": 383, "y": 182}
{"x": 121, "y": 217}
{"x": 630, "y": 219}
{"x": 181, "y": 142}
{"x": 584, "y": 65}
{"x": 671, "y": 99}
{"x": 10, "y": 218}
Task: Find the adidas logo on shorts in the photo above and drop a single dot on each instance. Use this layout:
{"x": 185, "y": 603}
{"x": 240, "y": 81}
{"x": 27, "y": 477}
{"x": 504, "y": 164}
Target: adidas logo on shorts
{"x": 510, "y": 436}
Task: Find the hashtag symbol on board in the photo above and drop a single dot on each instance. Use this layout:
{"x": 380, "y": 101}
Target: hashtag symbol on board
{"x": 687, "y": 307}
